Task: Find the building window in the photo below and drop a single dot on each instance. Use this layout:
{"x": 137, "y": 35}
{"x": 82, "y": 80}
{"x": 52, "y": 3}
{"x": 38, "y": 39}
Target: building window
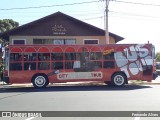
{"x": 42, "y": 41}
{"x": 91, "y": 42}
{"x": 58, "y": 42}
{"x": 64, "y": 41}
{"x": 55, "y": 41}
{"x": 70, "y": 41}
{"x": 15, "y": 42}
{"x": 38, "y": 41}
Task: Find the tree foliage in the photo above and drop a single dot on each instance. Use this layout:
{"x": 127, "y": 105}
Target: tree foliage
{"x": 7, "y": 24}
{"x": 158, "y": 56}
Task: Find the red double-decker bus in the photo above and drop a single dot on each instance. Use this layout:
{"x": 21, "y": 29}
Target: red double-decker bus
{"x": 114, "y": 64}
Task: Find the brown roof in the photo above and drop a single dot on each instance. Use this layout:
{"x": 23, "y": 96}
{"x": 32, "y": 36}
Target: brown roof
{"x": 57, "y": 24}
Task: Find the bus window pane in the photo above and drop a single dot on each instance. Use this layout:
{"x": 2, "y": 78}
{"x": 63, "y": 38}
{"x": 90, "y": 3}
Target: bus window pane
{"x": 43, "y": 66}
{"x": 97, "y": 64}
{"x": 43, "y": 56}
{"x": 57, "y": 56}
{"x": 29, "y": 65}
{"x": 70, "y": 56}
{"x": 96, "y": 56}
{"x": 57, "y": 65}
{"x": 29, "y": 56}
{"x": 108, "y": 64}
{"x": 16, "y": 57}
{"x": 108, "y": 56}
{"x": 83, "y": 56}
{"x": 15, "y": 66}
{"x": 69, "y": 65}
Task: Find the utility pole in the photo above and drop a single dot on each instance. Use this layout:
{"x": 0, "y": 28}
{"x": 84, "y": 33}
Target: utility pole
{"x": 106, "y": 21}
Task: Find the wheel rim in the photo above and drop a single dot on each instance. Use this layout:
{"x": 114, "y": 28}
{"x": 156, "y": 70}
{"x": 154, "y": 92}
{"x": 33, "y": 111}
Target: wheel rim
{"x": 119, "y": 80}
{"x": 40, "y": 81}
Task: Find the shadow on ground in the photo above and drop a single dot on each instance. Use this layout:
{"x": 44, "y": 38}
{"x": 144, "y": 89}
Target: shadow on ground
{"x": 72, "y": 88}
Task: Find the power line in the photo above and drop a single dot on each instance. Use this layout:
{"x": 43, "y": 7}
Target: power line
{"x": 93, "y": 18}
{"x": 147, "y": 4}
{"x": 36, "y": 7}
{"x": 133, "y": 14}
{"x": 36, "y": 14}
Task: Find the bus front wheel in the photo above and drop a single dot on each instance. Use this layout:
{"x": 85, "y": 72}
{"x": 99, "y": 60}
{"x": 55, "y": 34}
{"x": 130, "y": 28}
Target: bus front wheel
{"x": 40, "y": 81}
{"x": 118, "y": 79}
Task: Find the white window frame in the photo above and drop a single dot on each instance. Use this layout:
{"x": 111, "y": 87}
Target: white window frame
{"x": 90, "y": 39}
{"x": 18, "y": 39}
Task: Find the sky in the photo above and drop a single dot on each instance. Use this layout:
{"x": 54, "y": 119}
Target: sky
{"x": 138, "y": 21}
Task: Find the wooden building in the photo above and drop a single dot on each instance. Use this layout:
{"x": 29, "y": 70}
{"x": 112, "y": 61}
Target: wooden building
{"x": 58, "y": 28}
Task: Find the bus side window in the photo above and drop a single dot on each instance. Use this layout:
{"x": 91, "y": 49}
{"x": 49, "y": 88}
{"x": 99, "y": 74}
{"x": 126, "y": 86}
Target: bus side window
{"x": 69, "y": 59}
{"x": 109, "y": 56}
{"x": 57, "y": 65}
{"x": 15, "y": 61}
{"x": 83, "y": 57}
{"x": 70, "y": 56}
{"x": 96, "y": 56}
{"x": 43, "y": 56}
{"x": 69, "y": 65}
{"x": 43, "y": 65}
{"x": 57, "y": 60}
{"x": 29, "y": 61}
{"x": 108, "y": 60}
{"x": 15, "y": 57}
{"x": 57, "y": 56}
{"x": 15, "y": 66}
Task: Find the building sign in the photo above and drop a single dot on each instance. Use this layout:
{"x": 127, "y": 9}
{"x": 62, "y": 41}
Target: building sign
{"x": 79, "y": 75}
{"x": 58, "y": 29}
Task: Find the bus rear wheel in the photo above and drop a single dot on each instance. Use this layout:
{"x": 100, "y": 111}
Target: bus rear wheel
{"x": 40, "y": 81}
{"x": 118, "y": 79}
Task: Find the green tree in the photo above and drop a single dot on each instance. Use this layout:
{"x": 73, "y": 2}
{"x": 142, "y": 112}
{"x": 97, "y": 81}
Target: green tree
{"x": 7, "y": 24}
{"x": 158, "y": 56}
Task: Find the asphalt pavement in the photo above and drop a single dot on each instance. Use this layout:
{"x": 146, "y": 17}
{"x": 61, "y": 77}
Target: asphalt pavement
{"x": 77, "y": 97}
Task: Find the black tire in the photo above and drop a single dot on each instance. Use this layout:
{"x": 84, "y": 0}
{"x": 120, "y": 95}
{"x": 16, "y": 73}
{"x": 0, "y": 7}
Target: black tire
{"x": 118, "y": 79}
{"x": 40, "y": 81}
